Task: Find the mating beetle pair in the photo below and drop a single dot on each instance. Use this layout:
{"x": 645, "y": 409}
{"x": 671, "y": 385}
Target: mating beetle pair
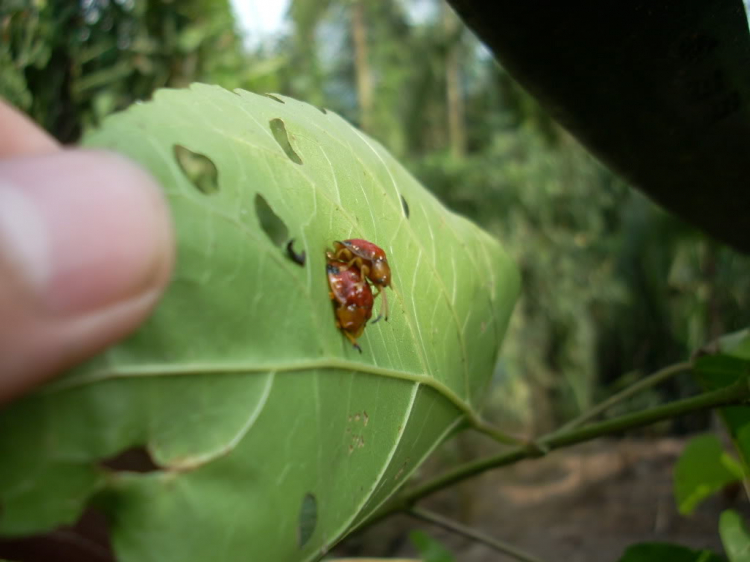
{"x": 349, "y": 267}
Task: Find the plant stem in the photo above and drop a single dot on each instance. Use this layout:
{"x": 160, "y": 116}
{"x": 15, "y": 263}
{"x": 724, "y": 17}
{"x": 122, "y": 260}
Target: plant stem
{"x": 497, "y": 434}
{"x": 458, "y": 528}
{"x": 652, "y": 380}
{"x": 735, "y": 393}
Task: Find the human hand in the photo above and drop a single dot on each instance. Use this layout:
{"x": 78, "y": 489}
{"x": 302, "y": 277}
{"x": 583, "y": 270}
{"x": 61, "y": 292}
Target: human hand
{"x": 86, "y": 249}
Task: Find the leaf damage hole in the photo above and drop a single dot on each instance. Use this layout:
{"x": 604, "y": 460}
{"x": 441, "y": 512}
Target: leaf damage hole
{"x": 405, "y": 206}
{"x": 137, "y": 459}
{"x": 270, "y": 222}
{"x": 198, "y": 168}
{"x": 279, "y": 133}
{"x": 308, "y": 519}
{"x": 274, "y": 98}
{"x": 298, "y": 258}
{"x": 86, "y": 541}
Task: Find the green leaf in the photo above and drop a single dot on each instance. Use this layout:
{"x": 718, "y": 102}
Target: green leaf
{"x": 727, "y": 362}
{"x": 269, "y": 436}
{"x": 430, "y": 549}
{"x": 734, "y": 536}
{"x": 703, "y": 469}
{"x": 662, "y": 552}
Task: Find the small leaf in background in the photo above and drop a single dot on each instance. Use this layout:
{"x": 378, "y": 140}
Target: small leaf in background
{"x": 663, "y": 552}
{"x": 734, "y": 536}
{"x": 430, "y": 549}
{"x": 727, "y": 361}
{"x": 703, "y": 469}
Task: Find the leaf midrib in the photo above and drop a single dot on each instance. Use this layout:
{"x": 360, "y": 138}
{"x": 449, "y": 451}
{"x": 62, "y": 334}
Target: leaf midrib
{"x": 216, "y": 369}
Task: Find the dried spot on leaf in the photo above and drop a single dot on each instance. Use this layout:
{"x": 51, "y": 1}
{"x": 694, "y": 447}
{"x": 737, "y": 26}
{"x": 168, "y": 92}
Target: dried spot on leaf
{"x": 279, "y": 133}
{"x": 270, "y": 222}
{"x": 274, "y": 98}
{"x": 405, "y": 206}
{"x": 308, "y": 519}
{"x": 198, "y": 168}
{"x": 132, "y": 460}
{"x": 366, "y": 418}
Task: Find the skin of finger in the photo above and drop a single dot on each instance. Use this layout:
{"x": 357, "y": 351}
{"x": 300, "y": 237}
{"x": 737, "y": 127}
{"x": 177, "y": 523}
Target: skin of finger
{"x": 21, "y": 136}
{"x": 38, "y": 341}
{"x": 105, "y": 225}
{"x": 34, "y": 349}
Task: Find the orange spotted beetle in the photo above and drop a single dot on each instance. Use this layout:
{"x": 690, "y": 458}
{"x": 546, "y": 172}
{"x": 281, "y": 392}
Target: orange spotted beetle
{"x": 352, "y": 299}
{"x": 371, "y": 261}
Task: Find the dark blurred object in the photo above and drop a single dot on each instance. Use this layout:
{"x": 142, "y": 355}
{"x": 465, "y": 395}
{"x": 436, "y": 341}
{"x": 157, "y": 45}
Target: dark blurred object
{"x": 86, "y": 541}
{"x": 656, "y": 89}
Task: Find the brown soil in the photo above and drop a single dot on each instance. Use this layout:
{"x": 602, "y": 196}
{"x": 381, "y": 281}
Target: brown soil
{"x": 584, "y": 504}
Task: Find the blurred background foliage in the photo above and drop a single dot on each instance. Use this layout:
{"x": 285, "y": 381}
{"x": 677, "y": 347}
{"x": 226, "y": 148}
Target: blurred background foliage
{"x": 614, "y": 287}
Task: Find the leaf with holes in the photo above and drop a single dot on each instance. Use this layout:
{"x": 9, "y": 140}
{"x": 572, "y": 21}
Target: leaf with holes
{"x": 262, "y": 433}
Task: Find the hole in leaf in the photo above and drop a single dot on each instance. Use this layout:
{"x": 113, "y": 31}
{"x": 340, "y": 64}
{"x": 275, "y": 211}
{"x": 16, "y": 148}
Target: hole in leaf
{"x": 270, "y": 222}
{"x": 298, "y": 258}
{"x": 405, "y": 207}
{"x": 308, "y": 518}
{"x": 86, "y": 541}
{"x": 137, "y": 459}
{"x": 198, "y": 168}
{"x": 274, "y": 98}
{"x": 279, "y": 133}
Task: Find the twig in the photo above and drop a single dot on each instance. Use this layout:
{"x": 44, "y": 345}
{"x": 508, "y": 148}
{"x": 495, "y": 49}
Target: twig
{"x": 736, "y": 393}
{"x": 497, "y": 434}
{"x": 652, "y": 380}
{"x": 460, "y": 529}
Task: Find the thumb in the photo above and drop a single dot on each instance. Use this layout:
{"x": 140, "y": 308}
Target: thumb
{"x": 85, "y": 251}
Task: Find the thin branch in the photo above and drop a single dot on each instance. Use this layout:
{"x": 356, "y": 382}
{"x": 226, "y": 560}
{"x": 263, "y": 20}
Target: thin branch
{"x": 652, "y": 380}
{"x": 460, "y": 529}
{"x": 736, "y": 393}
{"x": 497, "y": 434}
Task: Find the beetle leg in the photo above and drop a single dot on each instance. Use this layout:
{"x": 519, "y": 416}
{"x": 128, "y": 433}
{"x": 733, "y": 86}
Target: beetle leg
{"x": 352, "y": 339}
{"x": 384, "y": 307}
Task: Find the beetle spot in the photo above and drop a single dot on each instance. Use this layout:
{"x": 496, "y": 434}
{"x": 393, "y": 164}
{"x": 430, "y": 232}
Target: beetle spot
{"x": 274, "y": 98}
{"x": 279, "y": 133}
{"x": 308, "y": 519}
{"x": 405, "y": 207}
{"x": 323, "y": 110}
{"x": 270, "y": 222}
{"x": 198, "y": 168}
{"x": 138, "y": 459}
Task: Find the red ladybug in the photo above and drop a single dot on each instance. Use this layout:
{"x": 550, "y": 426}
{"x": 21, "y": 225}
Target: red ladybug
{"x": 371, "y": 261}
{"x": 352, "y": 299}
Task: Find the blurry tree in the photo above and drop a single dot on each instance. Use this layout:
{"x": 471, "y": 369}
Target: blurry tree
{"x": 70, "y": 63}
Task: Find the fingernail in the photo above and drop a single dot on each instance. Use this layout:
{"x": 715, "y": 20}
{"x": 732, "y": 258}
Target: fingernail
{"x": 83, "y": 230}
